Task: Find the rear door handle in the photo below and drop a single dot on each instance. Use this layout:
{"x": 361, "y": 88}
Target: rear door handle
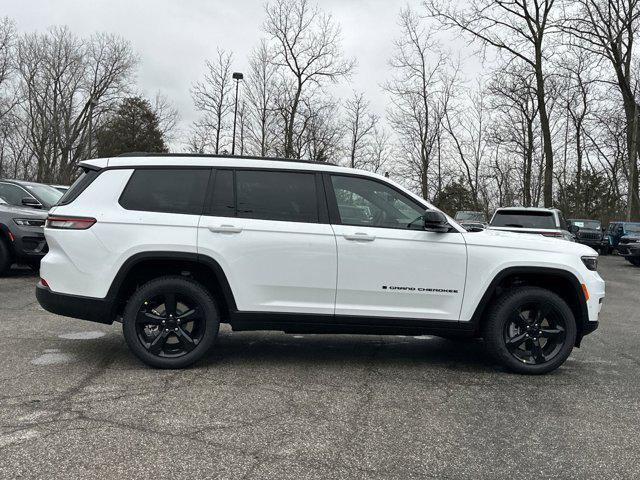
{"x": 224, "y": 229}
{"x": 360, "y": 237}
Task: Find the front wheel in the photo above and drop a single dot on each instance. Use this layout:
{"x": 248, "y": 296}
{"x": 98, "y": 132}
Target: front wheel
{"x": 170, "y": 322}
{"x": 530, "y": 330}
{"x": 635, "y": 261}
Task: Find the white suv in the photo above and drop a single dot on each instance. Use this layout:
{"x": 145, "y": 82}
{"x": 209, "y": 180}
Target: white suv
{"x": 173, "y": 245}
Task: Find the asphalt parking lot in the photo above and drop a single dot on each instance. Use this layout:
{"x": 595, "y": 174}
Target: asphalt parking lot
{"x": 74, "y": 403}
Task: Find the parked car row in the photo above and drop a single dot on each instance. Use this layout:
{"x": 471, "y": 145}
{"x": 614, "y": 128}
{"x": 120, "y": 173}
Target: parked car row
{"x": 23, "y": 211}
{"x": 619, "y": 237}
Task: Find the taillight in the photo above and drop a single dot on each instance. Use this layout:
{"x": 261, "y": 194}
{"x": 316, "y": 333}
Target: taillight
{"x": 69, "y": 223}
{"x": 553, "y": 234}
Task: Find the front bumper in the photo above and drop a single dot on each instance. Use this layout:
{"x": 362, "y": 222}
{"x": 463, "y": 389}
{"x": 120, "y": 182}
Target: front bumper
{"x": 629, "y": 250}
{"x": 29, "y": 243}
{"x": 84, "y": 308}
{"x": 593, "y": 243}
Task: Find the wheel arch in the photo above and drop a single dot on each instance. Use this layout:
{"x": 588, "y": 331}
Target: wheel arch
{"x": 562, "y": 282}
{"x": 145, "y": 266}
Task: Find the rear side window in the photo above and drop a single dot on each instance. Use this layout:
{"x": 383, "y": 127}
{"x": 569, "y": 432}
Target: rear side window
{"x": 269, "y": 195}
{"x": 79, "y": 186}
{"x": 523, "y": 219}
{"x": 166, "y": 190}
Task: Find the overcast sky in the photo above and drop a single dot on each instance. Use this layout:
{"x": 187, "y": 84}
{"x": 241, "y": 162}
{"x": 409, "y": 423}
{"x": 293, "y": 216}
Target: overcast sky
{"x": 173, "y": 38}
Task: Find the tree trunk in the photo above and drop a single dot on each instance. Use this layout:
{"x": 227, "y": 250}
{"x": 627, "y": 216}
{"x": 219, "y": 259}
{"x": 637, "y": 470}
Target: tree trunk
{"x": 633, "y": 203}
{"x": 546, "y": 132}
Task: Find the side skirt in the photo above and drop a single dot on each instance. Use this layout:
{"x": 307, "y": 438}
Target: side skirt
{"x": 345, "y": 324}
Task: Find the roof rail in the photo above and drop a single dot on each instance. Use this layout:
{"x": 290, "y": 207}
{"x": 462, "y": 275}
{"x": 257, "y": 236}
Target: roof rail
{"x": 213, "y": 155}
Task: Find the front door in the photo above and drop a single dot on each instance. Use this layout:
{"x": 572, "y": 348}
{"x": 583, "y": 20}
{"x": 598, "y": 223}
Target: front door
{"x": 388, "y": 265}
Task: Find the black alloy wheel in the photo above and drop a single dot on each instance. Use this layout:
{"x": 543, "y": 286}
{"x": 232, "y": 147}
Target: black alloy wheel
{"x": 530, "y": 330}
{"x": 170, "y": 322}
{"x": 535, "y": 333}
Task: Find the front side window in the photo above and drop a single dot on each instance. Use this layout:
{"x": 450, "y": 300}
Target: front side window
{"x": 167, "y": 190}
{"x": 272, "y": 195}
{"x": 369, "y": 203}
{"x": 12, "y": 194}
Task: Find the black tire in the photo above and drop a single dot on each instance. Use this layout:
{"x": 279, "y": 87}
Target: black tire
{"x": 635, "y": 261}
{"x": 5, "y": 258}
{"x": 159, "y": 338}
{"x": 530, "y": 330}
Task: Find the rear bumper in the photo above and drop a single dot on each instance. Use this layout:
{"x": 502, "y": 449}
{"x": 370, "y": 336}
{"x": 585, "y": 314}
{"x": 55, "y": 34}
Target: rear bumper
{"x": 84, "y": 308}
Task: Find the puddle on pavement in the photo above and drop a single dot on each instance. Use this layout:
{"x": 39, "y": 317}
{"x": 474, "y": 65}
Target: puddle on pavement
{"x": 81, "y": 335}
{"x": 52, "y": 357}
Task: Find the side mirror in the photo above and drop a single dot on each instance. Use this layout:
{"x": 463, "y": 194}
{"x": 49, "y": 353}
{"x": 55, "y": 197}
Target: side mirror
{"x": 573, "y": 229}
{"x": 435, "y": 221}
{"x": 31, "y": 202}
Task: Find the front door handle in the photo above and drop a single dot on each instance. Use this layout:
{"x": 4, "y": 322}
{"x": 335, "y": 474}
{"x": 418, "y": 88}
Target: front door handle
{"x": 224, "y": 229}
{"x": 360, "y": 237}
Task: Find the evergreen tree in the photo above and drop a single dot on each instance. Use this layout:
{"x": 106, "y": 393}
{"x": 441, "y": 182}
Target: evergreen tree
{"x": 134, "y": 127}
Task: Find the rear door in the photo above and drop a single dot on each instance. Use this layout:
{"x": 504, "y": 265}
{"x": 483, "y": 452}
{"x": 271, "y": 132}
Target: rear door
{"x": 269, "y": 231}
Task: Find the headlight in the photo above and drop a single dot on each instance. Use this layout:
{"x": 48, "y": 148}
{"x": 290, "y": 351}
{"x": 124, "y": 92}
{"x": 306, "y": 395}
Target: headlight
{"x": 590, "y": 262}
{"x": 29, "y": 222}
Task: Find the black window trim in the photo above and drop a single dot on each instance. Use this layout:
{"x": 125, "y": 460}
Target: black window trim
{"x": 161, "y": 167}
{"x": 71, "y": 195}
{"x": 321, "y": 202}
{"x": 334, "y": 213}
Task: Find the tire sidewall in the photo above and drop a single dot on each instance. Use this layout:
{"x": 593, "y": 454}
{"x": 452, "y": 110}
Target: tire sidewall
{"x": 176, "y": 285}
{"x": 5, "y": 257}
{"x": 494, "y": 333}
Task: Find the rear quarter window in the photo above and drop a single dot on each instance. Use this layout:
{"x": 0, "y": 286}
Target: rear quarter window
{"x": 166, "y": 190}
{"x": 79, "y": 186}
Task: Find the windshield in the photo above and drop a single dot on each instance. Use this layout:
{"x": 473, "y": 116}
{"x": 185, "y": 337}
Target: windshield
{"x": 523, "y": 219}
{"x": 470, "y": 216}
{"x": 586, "y": 224}
{"x": 45, "y": 194}
{"x": 632, "y": 227}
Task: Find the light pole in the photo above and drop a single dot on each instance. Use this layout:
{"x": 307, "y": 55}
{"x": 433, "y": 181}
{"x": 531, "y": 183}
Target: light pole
{"x": 237, "y": 76}
{"x": 92, "y": 103}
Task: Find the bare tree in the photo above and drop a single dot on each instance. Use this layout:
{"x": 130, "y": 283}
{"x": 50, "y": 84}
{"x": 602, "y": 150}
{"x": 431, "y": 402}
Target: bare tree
{"x": 379, "y": 151}
{"x": 420, "y": 92}
{"x": 514, "y": 101}
{"x": 359, "y": 123}
{"x": 518, "y": 28}
{"x": 306, "y": 43}
{"x": 607, "y": 28}
{"x": 168, "y": 116}
{"x": 467, "y": 125}
{"x": 8, "y": 37}
{"x": 68, "y": 83}
{"x": 260, "y": 95}
{"x": 213, "y": 97}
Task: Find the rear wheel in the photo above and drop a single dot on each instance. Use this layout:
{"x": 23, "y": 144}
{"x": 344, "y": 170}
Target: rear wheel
{"x": 635, "y": 261}
{"x": 530, "y": 330}
{"x": 170, "y": 322}
{"x": 5, "y": 258}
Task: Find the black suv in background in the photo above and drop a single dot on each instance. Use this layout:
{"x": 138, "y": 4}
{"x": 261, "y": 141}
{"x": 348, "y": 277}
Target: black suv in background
{"x": 21, "y": 236}
{"x": 29, "y": 194}
{"x": 629, "y": 248}
{"x": 588, "y": 232}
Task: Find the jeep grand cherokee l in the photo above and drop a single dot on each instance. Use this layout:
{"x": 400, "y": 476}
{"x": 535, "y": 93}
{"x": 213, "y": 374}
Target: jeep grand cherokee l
{"x": 173, "y": 245}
